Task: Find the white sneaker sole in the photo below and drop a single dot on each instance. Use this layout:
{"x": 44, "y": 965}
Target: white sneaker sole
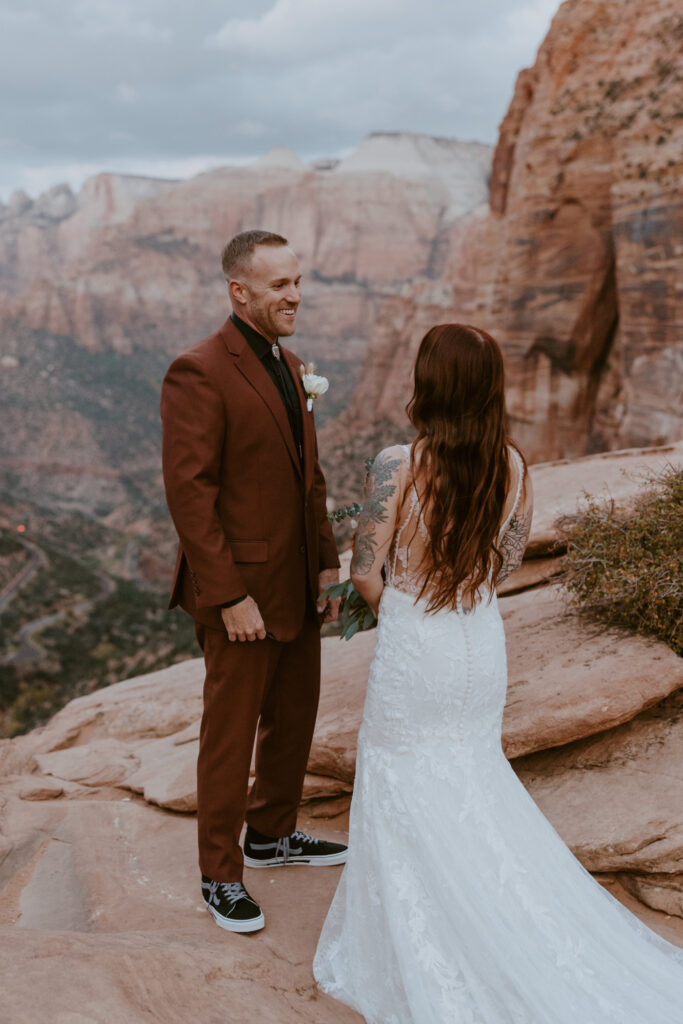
{"x": 313, "y": 862}
{"x": 253, "y": 925}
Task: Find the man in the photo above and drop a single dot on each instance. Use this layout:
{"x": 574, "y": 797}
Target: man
{"x": 247, "y": 497}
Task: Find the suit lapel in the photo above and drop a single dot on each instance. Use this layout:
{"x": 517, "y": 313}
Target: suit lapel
{"x": 308, "y": 426}
{"x": 254, "y": 372}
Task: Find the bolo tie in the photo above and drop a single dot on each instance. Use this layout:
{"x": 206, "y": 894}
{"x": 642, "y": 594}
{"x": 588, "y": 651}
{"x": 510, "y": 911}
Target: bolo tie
{"x": 275, "y": 349}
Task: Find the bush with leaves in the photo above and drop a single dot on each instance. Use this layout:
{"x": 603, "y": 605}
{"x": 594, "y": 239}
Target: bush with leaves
{"x": 626, "y": 567}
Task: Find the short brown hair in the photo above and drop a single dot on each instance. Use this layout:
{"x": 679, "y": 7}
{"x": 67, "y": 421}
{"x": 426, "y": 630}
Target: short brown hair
{"x": 236, "y": 255}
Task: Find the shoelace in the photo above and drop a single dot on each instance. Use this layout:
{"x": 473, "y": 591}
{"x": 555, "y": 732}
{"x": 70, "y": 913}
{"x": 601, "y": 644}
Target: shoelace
{"x": 302, "y": 837}
{"x": 283, "y": 845}
{"x": 230, "y": 891}
{"x": 283, "y": 848}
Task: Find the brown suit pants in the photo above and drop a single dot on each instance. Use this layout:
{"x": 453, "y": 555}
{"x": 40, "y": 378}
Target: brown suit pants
{"x": 261, "y": 689}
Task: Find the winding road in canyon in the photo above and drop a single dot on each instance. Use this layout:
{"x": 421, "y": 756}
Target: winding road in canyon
{"x": 29, "y": 649}
{"x": 26, "y": 573}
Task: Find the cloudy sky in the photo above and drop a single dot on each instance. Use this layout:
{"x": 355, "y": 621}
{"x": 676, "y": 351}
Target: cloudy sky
{"x": 171, "y": 87}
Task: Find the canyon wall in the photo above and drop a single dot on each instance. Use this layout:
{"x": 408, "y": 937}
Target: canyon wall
{"x": 572, "y": 261}
{"x": 576, "y": 269}
{"x": 99, "y": 291}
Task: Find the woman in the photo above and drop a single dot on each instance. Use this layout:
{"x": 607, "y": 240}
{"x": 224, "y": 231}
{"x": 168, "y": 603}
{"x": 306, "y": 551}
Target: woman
{"x": 459, "y": 903}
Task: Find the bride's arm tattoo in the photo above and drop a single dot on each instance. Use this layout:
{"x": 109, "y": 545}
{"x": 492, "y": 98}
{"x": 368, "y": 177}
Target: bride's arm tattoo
{"x": 514, "y": 543}
{"x": 379, "y": 490}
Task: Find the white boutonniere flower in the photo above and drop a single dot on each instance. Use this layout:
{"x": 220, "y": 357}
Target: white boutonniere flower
{"x": 314, "y": 386}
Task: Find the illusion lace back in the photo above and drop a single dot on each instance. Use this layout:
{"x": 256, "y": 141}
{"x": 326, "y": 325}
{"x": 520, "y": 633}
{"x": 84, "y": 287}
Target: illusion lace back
{"x": 460, "y": 903}
{"x": 411, "y": 538}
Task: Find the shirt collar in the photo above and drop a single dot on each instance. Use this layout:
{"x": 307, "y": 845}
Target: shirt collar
{"x": 259, "y": 345}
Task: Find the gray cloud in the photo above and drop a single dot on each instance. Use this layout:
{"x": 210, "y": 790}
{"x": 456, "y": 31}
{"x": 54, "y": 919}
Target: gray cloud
{"x": 167, "y": 87}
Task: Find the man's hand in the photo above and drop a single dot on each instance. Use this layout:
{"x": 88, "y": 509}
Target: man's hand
{"x": 328, "y": 609}
{"x": 243, "y": 621}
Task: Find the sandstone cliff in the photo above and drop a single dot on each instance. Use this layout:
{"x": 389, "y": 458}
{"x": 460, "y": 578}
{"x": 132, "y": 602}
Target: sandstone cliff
{"x": 576, "y": 268}
{"x": 99, "y": 291}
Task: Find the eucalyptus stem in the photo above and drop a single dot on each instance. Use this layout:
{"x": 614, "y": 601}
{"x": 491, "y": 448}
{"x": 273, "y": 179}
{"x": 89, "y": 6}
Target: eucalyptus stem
{"x": 344, "y": 512}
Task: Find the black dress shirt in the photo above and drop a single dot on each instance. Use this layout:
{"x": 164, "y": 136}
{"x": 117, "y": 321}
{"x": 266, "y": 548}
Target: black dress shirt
{"x": 278, "y": 371}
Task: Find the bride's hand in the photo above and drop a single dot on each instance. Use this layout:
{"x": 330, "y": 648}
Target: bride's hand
{"x": 329, "y": 609}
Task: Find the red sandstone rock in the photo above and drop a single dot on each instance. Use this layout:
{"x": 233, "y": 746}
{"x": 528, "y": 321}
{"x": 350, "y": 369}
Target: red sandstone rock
{"x": 575, "y": 270}
{"x": 42, "y": 788}
{"x": 611, "y": 477}
{"x": 568, "y": 678}
{"x": 104, "y": 922}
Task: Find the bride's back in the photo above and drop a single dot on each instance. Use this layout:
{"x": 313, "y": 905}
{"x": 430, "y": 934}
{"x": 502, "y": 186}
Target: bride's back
{"x": 408, "y": 553}
{"x": 437, "y": 516}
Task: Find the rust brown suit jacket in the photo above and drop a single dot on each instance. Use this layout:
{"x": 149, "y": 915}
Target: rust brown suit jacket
{"x": 250, "y": 518}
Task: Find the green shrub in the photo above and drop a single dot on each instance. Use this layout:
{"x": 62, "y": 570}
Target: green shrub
{"x": 626, "y": 568}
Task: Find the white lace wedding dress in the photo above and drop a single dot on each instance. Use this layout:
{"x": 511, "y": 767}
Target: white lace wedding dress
{"x": 460, "y": 903}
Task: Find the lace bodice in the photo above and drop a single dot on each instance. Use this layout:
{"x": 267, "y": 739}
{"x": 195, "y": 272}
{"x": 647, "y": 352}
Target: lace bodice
{"x": 402, "y": 566}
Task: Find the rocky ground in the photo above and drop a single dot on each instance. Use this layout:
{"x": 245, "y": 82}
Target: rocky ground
{"x": 101, "y": 918}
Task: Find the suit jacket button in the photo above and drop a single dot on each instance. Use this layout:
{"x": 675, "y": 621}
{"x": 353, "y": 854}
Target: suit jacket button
{"x": 302, "y": 549}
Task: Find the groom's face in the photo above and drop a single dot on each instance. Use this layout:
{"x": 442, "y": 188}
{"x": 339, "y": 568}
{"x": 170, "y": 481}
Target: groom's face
{"x": 270, "y": 292}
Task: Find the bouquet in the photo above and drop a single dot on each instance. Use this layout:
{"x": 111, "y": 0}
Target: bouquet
{"x": 355, "y": 614}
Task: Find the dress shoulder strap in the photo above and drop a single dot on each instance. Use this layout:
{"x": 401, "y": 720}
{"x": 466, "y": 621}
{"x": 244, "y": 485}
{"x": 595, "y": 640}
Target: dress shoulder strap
{"x": 398, "y": 553}
{"x": 516, "y": 458}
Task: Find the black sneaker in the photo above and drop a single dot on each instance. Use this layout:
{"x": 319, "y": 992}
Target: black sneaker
{"x": 265, "y": 852}
{"x": 231, "y": 906}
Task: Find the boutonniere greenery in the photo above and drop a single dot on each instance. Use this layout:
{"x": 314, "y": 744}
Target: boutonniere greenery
{"x": 314, "y": 386}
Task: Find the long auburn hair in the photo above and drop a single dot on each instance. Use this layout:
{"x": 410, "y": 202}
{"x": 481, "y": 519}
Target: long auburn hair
{"x": 458, "y": 411}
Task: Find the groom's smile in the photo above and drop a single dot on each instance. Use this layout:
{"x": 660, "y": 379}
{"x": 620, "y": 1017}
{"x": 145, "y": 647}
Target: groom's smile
{"x": 268, "y": 293}
{"x": 290, "y": 314}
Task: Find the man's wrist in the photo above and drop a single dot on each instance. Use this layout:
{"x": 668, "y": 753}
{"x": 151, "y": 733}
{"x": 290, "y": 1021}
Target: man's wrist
{"x": 236, "y": 600}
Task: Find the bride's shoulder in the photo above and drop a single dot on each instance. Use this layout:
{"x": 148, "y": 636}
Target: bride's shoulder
{"x": 519, "y": 487}
{"x": 388, "y": 468}
{"x": 392, "y": 458}
{"x": 517, "y": 462}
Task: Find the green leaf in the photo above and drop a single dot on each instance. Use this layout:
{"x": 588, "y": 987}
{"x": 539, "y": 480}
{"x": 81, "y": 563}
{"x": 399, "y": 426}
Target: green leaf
{"x": 352, "y": 630}
{"x": 334, "y": 590}
{"x": 368, "y": 619}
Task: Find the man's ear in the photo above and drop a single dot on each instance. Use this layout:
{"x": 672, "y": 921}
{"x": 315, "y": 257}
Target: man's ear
{"x": 238, "y": 292}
